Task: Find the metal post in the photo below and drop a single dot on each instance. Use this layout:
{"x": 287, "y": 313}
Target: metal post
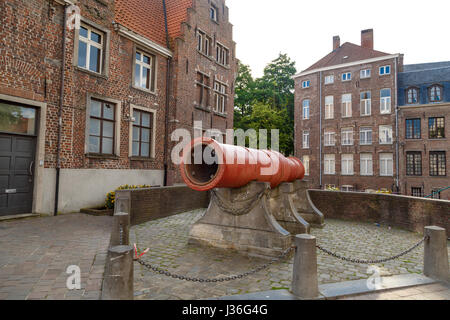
{"x": 118, "y": 279}
{"x": 120, "y": 230}
{"x": 304, "y": 281}
{"x": 435, "y": 264}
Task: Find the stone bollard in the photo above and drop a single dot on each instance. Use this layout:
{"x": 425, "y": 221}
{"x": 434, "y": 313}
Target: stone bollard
{"x": 118, "y": 279}
{"x": 435, "y": 264}
{"x": 304, "y": 280}
{"x": 120, "y": 235}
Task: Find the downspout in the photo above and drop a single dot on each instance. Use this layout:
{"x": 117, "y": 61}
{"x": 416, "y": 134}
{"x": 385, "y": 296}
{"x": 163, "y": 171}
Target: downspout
{"x": 397, "y": 153}
{"x": 61, "y": 104}
{"x": 166, "y": 133}
{"x": 320, "y": 128}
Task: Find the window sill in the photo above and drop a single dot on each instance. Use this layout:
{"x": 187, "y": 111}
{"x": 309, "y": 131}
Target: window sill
{"x": 92, "y": 73}
{"x": 102, "y": 156}
{"x": 207, "y": 109}
{"x": 134, "y": 158}
{"x": 435, "y": 139}
{"x": 386, "y": 113}
{"x": 145, "y": 90}
{"x": 223, "y": 115}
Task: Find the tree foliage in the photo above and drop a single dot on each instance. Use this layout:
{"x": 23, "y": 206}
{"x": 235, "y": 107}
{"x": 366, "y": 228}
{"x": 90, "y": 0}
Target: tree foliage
{"x": 268, "y": 102}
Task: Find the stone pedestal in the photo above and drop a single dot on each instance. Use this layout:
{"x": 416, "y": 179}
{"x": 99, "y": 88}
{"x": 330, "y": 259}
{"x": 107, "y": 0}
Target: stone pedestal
{"x": 239, "y": 219}
{"x": 281, "y": 206}
{"x": 304, "y": 206}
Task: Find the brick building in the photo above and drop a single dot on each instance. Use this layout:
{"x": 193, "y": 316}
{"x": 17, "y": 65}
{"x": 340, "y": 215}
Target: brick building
{"x": 345, "y": 117}
{"x": 424, "y": 102}
{"x": 69, "y": 138}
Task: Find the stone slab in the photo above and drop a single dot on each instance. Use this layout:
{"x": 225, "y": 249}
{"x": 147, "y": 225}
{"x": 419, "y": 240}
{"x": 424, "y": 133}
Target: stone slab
{"x": 356, "y": 287}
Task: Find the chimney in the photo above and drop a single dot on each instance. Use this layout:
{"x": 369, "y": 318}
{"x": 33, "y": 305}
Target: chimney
{"x": 336, "y": 42}
{"x": 367, "y": 39}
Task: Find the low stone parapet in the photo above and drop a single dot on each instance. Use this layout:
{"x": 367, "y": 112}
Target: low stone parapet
{"x": 405, "y": 212}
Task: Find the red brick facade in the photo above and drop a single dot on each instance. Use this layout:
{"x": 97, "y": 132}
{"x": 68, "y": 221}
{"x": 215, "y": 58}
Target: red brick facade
{"x": 31, "y": 49}
{"x": 347, "y": 59}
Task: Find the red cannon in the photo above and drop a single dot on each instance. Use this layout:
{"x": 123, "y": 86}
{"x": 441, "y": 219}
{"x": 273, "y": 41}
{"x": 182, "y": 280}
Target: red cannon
{"x": 207, "y": 164}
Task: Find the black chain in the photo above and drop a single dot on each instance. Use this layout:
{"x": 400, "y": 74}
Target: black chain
{"x": 371, "y": 261}
{"x": 224, "y": 279}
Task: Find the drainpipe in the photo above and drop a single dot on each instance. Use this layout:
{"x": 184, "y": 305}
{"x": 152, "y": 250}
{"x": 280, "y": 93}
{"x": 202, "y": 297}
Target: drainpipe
{"x": 397, "y": 153}
{"x": 166, "y": 133}
{"x": 61, "y": 103}
{"x": 320, "y": 128}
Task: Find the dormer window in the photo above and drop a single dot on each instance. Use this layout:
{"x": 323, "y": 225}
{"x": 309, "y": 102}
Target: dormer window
{"x": 412, "y": 95}
{"x": 213, "y": 14}
{"x": 435, "y": 93}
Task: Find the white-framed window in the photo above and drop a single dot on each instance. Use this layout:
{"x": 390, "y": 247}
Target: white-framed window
{"x": 366, "y": 164}
{"x": 329, "y": 107}
{"x": 329, "y": 164}
{"x": 347, "y": 165}
{"x": 329, "y": 79}
{"x": 306, "y": 109}
{"x": 220, "y": 97}
{"x": 386, "y": 164}
{"x": 347, "y": 188}
{"x": 90, "y": 49}
{"x": 306, "y": 139}
{"x": 347, "y": 136}
{"x": 200, "y": 37}
{"x": 306, "y": 164}
{"x": 346, "y": 105}
{"x": 213, "y": 14}
{"x": 385, "y": 101}
{"x": 385, "y": 70}
{"x": 365, "y": 73}
{"x": 222, "y": 55}
{"x": 144, "y": 71}
{"x": 385, "y": 134}
{"x": 366, "y": 103}
{"x": 365, "y": 136}
{"x": 306, "y": 84}
{"x": 330, "y": 138}
{"x": 347, "y": 76}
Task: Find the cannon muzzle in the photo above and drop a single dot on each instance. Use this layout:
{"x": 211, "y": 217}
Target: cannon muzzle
{"x": 207, "y": 164}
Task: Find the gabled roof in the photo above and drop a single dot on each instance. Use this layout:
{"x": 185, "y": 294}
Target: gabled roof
{"x": 144, "y": 17}
{"x": 346, "y": 53}
{"x": 176, "y": 15}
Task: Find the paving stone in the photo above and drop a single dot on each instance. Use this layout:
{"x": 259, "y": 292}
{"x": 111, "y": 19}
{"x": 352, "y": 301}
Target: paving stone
{"x": 35, "y": 253}
{"x": 168, "y": 242}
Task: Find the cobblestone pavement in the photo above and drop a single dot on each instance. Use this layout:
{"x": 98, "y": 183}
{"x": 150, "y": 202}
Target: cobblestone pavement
{"x": 35, "y": 254}
{"x": 169, "y": 249}
{"x": 428, "y": 292}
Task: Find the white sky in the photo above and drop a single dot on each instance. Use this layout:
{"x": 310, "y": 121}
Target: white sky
{"x": 304, "y": 29}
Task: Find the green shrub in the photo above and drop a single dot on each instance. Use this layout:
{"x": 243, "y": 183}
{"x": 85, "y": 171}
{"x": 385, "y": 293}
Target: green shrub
{"x": 111, "y": 196}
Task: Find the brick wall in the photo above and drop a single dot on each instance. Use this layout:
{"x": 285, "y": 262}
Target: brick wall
{"x": 155, "y": 203}
{"x": 398, "y": 211}
{"x": 354, "y": 87}
{"x": 188, "y": 61}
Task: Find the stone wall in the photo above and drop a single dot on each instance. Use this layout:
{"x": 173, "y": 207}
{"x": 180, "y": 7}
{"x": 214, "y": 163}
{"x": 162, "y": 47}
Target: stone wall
{"x": 398, "y": 211}
{"x": 155, "y": 203}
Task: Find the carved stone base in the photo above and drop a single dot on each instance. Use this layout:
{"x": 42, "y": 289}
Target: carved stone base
{"x": 282, "y": 207}
{"x": 239, "y": 219}
{"x": 304, "y": 206}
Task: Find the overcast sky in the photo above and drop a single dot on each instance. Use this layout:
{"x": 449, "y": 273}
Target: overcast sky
{"x": 304, "y": 29}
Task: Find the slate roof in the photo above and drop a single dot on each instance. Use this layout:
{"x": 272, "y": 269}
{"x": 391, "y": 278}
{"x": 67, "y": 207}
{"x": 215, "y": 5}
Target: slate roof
{"x": 351, "y": 51}
{"x": 426, "y": 73}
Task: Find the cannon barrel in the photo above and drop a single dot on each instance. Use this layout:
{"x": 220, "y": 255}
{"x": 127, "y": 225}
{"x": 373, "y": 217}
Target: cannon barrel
{"x": 207, "y": 164}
